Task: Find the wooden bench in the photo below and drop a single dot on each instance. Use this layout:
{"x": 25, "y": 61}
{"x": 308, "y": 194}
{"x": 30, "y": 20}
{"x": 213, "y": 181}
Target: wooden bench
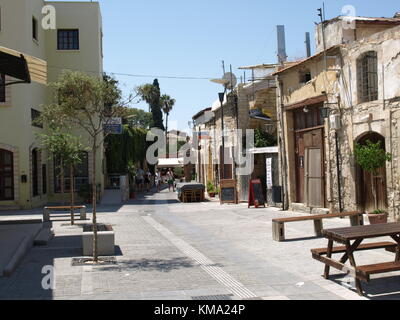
{"x": 364, "y": 272}
{"x": 47, "y": 211}
{"x": 388, "y": 246}
{"x": 278, "y": 225}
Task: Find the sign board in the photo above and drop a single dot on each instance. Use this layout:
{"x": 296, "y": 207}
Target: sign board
{"x": 228, "y": 192}
{"x": 113, "y": 126}
{"x": 269, "y": 174}
{"x": 256, "y": 194}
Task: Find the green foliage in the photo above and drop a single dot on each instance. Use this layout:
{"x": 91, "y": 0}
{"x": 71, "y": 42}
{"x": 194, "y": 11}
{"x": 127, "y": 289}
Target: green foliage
{"x": 378, "y": 211}
{"x": 138, "y": 118}
{"x": 167, "y": 103}
{"x": 263, "y": 139}
{"x": 123, "y": 151}
{"x": 210, "y": 187}
{"x": 178, "y": 172}
{"x": 152, "y": 95}
{"x": 371, "y": 156}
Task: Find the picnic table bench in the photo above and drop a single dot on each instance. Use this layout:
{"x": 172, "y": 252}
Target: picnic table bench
{"x": 47, "y": 211}
{"x": 358, "y": 235}
{"x": 278, "y": 225}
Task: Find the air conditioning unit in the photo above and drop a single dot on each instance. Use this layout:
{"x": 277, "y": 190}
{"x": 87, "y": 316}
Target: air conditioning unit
{"x": 334, "y": 122}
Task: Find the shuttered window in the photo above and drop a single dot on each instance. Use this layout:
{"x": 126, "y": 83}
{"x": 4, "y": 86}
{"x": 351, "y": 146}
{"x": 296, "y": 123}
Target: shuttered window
{"x": 367, "y": 73}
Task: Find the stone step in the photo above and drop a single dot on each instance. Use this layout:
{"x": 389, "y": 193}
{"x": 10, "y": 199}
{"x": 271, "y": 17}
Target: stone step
{"x": 44, "y": 237}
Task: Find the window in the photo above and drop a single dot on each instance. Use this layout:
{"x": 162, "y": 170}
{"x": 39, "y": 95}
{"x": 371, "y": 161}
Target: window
{"x": 34, "y": 118}
{"x": 367, "y": 73}
{"x": 81, "y": 174}
{"x": 35, "y": 172}
{"x": 35, "y": 29}
{"x": 2, "y": 88}
{"x": 44, "y": 179}
{"x": 68, "y": 39}
{"x": 304, "y": 76}
{"x": 6, "y": 175}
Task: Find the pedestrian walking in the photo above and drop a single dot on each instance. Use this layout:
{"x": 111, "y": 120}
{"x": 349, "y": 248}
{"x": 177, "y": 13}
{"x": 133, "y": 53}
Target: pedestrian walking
{"x": 170, "y": 180}
{"x": 157, "y": 180}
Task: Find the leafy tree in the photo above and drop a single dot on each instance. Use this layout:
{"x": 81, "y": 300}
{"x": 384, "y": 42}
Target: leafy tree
{"x": 371, "y": 157}
{"x": 263, "y": 139}
{"x": 138, "y": 118}
{"x": 68, "y": 150}
{"x": 87, "y": 103}
{"x": 151, "y": 94}
{"x": 167, "y": 103}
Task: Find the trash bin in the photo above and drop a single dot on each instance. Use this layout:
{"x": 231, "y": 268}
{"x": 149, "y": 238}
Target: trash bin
{"x": 277, "y": 194}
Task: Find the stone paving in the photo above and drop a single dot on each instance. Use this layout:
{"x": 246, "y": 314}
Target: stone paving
{"x": 167, "y": 250}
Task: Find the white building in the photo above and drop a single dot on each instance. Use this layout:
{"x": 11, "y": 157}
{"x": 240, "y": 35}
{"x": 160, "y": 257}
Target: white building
{"x": 27, "y": 175}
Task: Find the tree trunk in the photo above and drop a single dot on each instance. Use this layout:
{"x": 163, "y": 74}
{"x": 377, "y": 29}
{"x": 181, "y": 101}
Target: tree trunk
{"x": 374, "y": 190}
{"x": 166, "y": 136}
{"x": 62, "y": 182}
{"x": 94, "y": 202}
{"x": 72, "y": 194}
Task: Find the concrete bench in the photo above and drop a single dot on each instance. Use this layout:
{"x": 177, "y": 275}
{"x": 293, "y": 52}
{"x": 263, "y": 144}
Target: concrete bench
{"x": 47, "y": 211}
{"x": 278, "y": 225}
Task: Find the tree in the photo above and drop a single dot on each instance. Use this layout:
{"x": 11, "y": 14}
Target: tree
{"x": 371, "y": 157}
{"x": 138, "y": 118}
{"x": 151, "y": 94}
{"x": 68, "y": 150}
{"x": 167, "y": 103}
{"x": 87, "y": 103}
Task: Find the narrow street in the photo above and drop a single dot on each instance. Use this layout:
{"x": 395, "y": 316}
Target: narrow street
{"x": 173, "y": 251}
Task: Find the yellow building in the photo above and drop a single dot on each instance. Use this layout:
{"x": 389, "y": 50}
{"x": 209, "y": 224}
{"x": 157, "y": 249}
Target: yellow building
{"x": 27, "y": 174}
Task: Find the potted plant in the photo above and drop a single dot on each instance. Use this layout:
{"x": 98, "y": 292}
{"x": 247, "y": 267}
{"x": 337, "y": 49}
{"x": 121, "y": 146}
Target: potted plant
{"x": 211, "y": 189}
{"x": 217, "y": 190}
{"x": 371, "y": 157}
{"x": 378, "y": 217}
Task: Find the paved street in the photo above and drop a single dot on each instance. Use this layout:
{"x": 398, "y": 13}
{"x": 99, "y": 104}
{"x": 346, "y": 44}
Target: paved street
{"x": 173, "y": 251}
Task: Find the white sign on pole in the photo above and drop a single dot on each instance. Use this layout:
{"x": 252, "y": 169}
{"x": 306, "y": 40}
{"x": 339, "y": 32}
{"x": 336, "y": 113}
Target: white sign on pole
{"x": 269, "y": 173}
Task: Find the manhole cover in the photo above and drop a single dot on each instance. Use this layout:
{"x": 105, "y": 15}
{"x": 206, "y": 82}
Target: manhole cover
{"x": 215, "y": 297}
{"x": 103, "y": 261}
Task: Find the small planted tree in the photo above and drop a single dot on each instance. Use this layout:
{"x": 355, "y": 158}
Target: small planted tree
{"x": 68, "y": 150}
{"x": 371, "y": 157}
{"x": 87, "y": 103}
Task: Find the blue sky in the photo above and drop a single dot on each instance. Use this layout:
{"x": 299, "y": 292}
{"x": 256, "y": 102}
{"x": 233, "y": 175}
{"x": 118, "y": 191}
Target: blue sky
{"x": 191, "y": 38}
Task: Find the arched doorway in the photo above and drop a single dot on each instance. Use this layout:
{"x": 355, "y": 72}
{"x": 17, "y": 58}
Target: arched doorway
{"x": 365, "y": 196}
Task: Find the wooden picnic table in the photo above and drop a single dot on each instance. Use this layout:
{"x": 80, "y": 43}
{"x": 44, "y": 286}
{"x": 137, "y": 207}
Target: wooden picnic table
{"x": 358, "y": 235}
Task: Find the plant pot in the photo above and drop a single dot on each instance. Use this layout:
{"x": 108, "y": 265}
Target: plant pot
{"x": 211, "y": 194}
{"x": 105, "y": 240}
{"x": 378, "y": 218}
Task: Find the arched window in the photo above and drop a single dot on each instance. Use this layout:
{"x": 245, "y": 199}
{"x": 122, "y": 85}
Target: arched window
{"x": 367, "y": 73}
{"x": 6, "y": 175}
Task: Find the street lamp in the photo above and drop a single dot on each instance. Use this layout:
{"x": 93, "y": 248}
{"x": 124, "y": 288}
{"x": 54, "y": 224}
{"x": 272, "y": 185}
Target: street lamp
{"x": 221, "y": 100}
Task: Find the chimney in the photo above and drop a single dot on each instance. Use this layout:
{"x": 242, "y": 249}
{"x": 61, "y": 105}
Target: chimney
{"x": 282, "y": 57}
{"x": 308, "y": 44}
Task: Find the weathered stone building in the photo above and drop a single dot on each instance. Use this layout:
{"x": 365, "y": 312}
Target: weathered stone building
{"x": 340, "y": 97}
{"x": 249, "y": 106}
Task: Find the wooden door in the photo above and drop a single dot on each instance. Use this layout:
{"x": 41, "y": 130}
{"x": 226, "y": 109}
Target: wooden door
{"x": 310, "y": 171}
{"x": 314, "y": 178}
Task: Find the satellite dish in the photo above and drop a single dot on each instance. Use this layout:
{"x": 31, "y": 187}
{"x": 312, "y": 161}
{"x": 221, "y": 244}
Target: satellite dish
{"x": 231, "y": 80}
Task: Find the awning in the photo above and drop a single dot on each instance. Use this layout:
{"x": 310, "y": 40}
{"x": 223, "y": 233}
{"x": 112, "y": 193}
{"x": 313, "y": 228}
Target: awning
{"x": 22, "y": 67}
{"x": 171, "y": 163}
